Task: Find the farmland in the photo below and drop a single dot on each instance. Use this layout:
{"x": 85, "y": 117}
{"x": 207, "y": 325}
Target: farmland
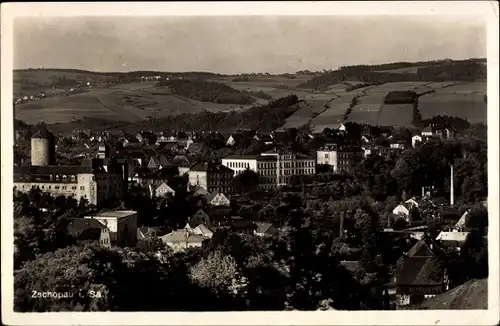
{"x": 130, "y": 100}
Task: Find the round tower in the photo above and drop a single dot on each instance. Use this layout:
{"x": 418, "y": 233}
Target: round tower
{"x": 42, "y": 147}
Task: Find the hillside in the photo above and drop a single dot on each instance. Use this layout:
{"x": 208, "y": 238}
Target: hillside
{"x": 129, "y": 102}
{"x": 206, "y": 91}
{"x": 446, "y": 87}
{"x": 471, "y": 295}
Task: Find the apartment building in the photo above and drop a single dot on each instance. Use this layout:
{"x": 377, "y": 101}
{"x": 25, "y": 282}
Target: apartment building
{"x": 274, "y": 168}
{"x": 341, "y": 158}
{"x": 211, "y": 177}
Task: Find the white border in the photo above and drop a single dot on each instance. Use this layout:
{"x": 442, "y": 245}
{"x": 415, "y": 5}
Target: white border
{"x": 486, "y": 9}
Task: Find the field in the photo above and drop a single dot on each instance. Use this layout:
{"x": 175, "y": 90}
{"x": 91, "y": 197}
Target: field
{"x": 466, "y": 106}
{"x": 127, "y": 102}
{"x": 320, "y": 108}
{"x": 398, "y": 115}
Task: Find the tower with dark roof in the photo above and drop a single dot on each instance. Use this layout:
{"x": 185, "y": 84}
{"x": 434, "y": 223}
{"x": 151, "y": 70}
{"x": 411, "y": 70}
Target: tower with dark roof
{"x": 42, "y": 147}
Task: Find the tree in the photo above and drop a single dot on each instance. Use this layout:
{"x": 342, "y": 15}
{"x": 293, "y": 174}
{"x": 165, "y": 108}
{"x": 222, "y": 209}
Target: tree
{"x": 220, "y": 274}
{"x": 246, "y": 182}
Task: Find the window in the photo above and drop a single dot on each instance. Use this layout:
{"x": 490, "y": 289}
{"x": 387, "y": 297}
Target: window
{"x": 64, "y": 187}
{"x": 57, "y": 178}
{"x": 74, "y": 187}
{"x": 51, "y": 177}
{"x": 73, "y": 178}
{"x": 56, "y": 187}
{"x": 65, "y": 178}
{"x": 82, "y": 187}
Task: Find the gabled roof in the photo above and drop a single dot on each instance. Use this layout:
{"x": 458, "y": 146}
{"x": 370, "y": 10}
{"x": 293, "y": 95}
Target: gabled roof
{"x": 462, "y": 222}
{"x": 181, "y": 236}
{"x": 419, "y": 271}
{"x": 420, "y": 249}
{"x": 147, "y": 231}
{"x": 263, "y": 227}
{"x": 210, "y": 197}
{"x": 351, "y": 265}
{"x": 203, "y": 229}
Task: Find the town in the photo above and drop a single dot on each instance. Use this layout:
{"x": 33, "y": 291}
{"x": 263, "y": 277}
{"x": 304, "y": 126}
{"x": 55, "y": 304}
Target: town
{"x": 388, "y": 217}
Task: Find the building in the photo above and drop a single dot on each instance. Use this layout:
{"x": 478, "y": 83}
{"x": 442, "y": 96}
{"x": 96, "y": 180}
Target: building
{"x": 163, "y": 190}
{"x": 121, "y": 226}
{"x": 341, "y": 158}
{"x": 414, "y": 281}
{"x": 95, "y": 180}
{"x": 183, "y": 239}
{"x": 217, "y": 199}
{"x": 453, "y": 239}
{"x": 267, "y": 167}
{"x": 212, "y": 177}
{"x": 265, "y": 229}
{"x": 415, "y": 140}
{"x": 403, "y": 211}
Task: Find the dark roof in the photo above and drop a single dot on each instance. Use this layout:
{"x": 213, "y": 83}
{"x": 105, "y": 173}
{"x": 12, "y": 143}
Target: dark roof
{"x": 54, "y": 170}
{"x": 78, "y": 225}
{"x": 419, "y": 271}
{"x": 241, "y": 157}
{"x": 420, "y": 249}
{"x": 211, "y": 167}
{"x": 42, "y": 133}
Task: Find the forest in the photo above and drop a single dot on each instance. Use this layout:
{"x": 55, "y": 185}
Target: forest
{"x": 466, "y": 70}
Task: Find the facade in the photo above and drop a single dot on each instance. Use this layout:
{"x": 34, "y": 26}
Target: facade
{"x": 341, "y": 158}
{"x": 274, "y": 168}
{"x": 218, "y": 199}
{"x": 164, "y": 189}
{"x": 414, "y": 283}
{"x": 95, "y": 180}
{"x": 402, "y": 211}
{"x": 212, "y": 177}
{"x": 121, "y": 225}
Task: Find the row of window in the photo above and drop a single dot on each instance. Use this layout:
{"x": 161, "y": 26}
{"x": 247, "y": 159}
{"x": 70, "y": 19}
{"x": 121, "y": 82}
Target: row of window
{"x": 242, "y": 165}
{"x": 55, "y": 187}
{"x": 63, "y": 178}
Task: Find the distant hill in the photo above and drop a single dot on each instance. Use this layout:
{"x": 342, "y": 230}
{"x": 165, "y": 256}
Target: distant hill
{"x": 429, "y": 71}
{"x": 471, "y": 295}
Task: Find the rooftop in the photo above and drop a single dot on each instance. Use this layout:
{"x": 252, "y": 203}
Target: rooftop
{"x": 115, "y": 214}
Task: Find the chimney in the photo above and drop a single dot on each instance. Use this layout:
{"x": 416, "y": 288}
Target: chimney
{"x": 452, "y": 199}
{"x": 423, "y": 192}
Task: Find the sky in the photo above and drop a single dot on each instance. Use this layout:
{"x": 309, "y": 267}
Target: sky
{"x": 231, "y": 45}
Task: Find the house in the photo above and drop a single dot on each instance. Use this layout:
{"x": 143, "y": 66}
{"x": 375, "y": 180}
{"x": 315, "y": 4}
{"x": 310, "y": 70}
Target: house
{"x": 234, "y": 139}
{"x": 121, "y": 224}
{"x": 85, "y": 229}
{"x": 163, "y": 190}
{"x": 418, "y": 275}
{"x": 200, "y": 216}
{"x": 265, "y": 229}
{"x": 242, "y": 226}
{"x": 454, "y": 239}
{"x": 182, "y": 239}
{"x": 402, "y": 211}
{"x": 217, "y": 199}
{"x": 413, "y": 202}
{"x": 415, "y": 140}
{"x": 203, "y": 230}
{"x": 147, "y": 232}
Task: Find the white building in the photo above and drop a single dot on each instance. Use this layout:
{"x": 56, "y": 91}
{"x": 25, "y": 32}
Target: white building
{"x": 402, "y": 211}
{"x": 274, "y": 168}
{"x": 416, "y": 139}
{"x": 122, "y": 226}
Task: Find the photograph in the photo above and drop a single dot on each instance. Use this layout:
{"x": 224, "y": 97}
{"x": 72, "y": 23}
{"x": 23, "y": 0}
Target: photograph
{"x": 222, "y": 162}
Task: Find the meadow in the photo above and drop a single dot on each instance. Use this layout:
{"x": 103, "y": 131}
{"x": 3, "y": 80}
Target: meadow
{"x": 319, "y": 108}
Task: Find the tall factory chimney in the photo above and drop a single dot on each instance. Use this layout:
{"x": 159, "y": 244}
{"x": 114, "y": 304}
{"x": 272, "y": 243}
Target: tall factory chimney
{"x": 452, "y": 199}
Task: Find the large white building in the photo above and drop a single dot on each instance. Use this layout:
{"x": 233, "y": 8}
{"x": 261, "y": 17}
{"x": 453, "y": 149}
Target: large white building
{"x": 95, "y": 180}
{"x": 274, "y": 168}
